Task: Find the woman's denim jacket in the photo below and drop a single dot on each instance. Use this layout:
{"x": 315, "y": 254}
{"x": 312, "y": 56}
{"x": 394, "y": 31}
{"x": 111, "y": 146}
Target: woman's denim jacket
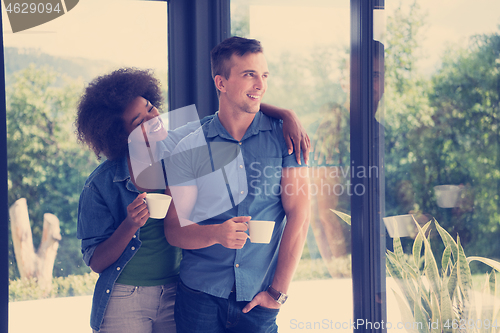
{"x": 102, "y": 208}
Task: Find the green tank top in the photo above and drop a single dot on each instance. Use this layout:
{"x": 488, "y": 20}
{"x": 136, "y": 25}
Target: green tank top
{"x": 156, "y": 262}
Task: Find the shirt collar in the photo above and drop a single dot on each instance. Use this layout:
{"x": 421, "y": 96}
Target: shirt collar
{"x": 260, "y": 122}
{"x": 122, "y": 172}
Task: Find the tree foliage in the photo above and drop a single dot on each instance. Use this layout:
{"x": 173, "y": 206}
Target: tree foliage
{"x": 466, "y": 100}
{"x": 45, "y": 164}
{"x": 407, "y": 111}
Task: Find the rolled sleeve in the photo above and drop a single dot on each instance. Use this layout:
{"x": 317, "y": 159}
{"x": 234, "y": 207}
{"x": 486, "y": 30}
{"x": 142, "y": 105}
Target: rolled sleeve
{"x": 88, "y": 252}
{"x": 289, "y": 160}
{"x": 95, "y": 222}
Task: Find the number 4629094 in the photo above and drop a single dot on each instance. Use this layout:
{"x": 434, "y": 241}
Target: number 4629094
{"x": 32, "y": 8}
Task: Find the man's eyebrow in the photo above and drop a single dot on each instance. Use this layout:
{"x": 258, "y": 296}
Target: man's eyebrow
{"x": 251, "y": 71}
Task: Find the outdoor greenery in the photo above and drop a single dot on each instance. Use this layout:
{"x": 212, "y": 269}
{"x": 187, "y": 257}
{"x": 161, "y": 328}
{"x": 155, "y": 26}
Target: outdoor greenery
{"x": 444, "y": 130}
{"x": 45, "y": 164}
{"x": 72, "y": 285}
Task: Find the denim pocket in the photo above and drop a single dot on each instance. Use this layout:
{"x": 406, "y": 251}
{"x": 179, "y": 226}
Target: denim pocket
{"x": 123, "y": 290}
{"x": 259, "y": 307}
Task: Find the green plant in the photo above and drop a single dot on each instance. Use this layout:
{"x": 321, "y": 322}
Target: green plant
{"x": 440, "y": 300}
{"x": 71, "y": 285}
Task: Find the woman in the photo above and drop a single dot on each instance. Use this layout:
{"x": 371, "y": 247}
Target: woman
{"x": 138, "y": 269}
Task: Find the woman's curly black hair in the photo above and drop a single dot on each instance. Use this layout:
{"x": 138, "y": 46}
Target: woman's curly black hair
{"x": 99, "y": 122}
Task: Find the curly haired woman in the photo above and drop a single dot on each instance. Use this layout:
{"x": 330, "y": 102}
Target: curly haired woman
{"x": 138, "y": 269}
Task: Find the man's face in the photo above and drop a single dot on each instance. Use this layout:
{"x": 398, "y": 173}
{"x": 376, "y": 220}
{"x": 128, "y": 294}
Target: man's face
{"x": 247, "y": 82}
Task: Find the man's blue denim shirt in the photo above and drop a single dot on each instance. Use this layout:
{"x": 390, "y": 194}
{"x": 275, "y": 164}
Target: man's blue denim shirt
{"x": 102, "y": 208}
{"x": 215, "y": 269}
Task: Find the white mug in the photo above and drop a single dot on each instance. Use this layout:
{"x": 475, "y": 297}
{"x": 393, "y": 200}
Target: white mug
{"x": 158, "y": 204}
{"x": 260, "y": 231}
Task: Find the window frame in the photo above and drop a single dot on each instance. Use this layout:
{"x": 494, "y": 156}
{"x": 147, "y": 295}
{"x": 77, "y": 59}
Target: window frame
{"x": 368, "y": 256}
{"x": 4, "y": 228}
{"x": 189, "y": 45}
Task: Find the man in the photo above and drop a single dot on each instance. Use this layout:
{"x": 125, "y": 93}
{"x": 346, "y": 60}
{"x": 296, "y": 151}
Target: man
{"x": 227, "y": 283}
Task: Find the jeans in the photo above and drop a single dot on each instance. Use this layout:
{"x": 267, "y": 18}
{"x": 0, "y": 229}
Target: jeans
{"x": 140, "y": 309}
{"x": 198, "y": 312}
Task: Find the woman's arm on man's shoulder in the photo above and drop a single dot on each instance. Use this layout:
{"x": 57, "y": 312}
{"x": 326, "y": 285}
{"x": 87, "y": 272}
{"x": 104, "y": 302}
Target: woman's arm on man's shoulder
{"x": 296, "y": 137}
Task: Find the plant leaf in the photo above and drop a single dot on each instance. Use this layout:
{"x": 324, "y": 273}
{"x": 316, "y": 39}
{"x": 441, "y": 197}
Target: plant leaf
{"x": 398, "y": 249}
{"x": 447, "y": 239}
{"x": 465, "y": 283}
{"x": 453, "y": 280}
{"x": 406, "y": 313}
{"x": 425, "y": 297}
{"x": 430, "y": 268}
{"x": 487, "y": 297}
{"x": 421, "y": 317}
{"x": 490, "y": 262}
{"x": 345, "y": 217}
{"x": 396, "y": 271}
{"x": 417, "y": 244}
{"x": 436, "y": 313}
{"x": 446, "y": 307}
{"x": 446, "y": 260}
{"x": 410, "y": 270}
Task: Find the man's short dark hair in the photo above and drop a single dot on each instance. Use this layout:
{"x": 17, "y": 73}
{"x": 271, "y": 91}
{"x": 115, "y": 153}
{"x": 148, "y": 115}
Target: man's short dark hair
{"x": 221, "y": 54}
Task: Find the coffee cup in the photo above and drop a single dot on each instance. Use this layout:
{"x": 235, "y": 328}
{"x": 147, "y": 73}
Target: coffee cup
{"x": 260, "y": 231}
{"x": 158, "y": 204}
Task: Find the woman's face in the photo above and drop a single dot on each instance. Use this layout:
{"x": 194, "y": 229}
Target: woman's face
{"x": 140, "y": 112}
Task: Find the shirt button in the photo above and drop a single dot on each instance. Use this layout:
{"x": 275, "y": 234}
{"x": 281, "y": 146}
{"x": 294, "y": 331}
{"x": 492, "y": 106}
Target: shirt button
{"x": 240, "y": 143}
{"x": 242, "y": 192}
{"x": 133, "y": 248}
{"x": 107, "y": 291}
{"x": 134, "y": 236}
{"x": 241, "y": 166}
{"x": 118, "y": 268}
{"x": 237, "y": 265}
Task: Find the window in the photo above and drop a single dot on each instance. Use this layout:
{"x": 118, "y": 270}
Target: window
{"x": 46, "y": 68}
{"x": 441, "y": 149}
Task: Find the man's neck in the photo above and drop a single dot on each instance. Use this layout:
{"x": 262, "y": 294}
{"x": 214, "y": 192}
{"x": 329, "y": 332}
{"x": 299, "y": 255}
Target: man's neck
{"x": 236, "y": 123}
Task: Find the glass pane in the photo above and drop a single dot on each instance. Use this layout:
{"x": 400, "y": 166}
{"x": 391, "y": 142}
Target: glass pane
{"x": 306, "y": 45}
{"x": 442, "y": 101}
{"x": 47, "y": 68}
